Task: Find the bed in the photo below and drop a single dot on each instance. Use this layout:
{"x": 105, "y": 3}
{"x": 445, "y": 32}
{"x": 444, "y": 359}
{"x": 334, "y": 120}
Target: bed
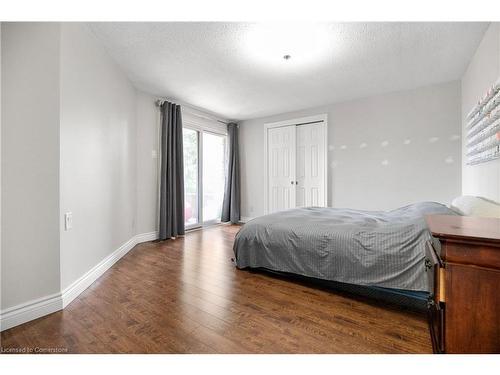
{"x": 375, "y": 251}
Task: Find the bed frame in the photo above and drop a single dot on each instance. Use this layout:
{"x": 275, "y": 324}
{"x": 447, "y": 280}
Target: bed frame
{"x": 413, "y": 300}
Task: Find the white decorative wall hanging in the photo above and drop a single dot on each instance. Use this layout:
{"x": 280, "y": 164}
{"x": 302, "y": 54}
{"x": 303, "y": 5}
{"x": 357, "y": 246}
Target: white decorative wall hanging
{"x": 483, "y": 128}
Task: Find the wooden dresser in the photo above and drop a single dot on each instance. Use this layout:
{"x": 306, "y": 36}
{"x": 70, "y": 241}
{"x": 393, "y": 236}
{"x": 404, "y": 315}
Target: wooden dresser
{"x": 464, "y": 309}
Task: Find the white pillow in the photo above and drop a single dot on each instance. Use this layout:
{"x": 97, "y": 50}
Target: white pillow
{"x": 475, "y": 206}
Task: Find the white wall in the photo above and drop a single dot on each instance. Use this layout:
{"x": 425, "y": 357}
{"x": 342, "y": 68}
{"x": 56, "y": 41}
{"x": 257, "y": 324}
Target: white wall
{"x": 69, "y": 144}
{"x": 484, "y": 70}
{"x": 98, "y": 153}
{"x": 147, "y": 166}
{"x": 30, "y": 161}
{"x": 356, "y": 177}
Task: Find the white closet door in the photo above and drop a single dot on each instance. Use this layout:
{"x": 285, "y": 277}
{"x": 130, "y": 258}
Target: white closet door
{"x": 311, "y": 165}
{"x": 281, "y": 168}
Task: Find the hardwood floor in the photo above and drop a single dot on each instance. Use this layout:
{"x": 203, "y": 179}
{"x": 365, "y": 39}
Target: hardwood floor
{"x": 186, "y": 296}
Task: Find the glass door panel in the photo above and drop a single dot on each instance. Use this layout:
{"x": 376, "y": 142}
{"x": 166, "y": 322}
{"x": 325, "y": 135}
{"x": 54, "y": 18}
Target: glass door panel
{"x": 213, "y": 176}
{"x": 190, "y": 145}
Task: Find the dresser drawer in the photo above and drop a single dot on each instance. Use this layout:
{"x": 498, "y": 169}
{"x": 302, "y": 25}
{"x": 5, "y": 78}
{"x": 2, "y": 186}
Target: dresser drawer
{"x": 472, "y": 253}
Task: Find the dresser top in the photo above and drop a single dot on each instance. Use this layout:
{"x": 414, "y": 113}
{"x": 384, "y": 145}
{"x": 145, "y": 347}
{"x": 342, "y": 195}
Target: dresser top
{"x": 464, "y": 228}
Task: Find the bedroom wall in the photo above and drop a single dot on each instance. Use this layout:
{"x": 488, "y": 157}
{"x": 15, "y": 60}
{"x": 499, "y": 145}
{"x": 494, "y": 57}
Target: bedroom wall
{"x": 98, "y": 153}
{"x": 30, "y": 161}
{"x": 69, "y": 144}
{"x": 484, "y": 69}
{"x": 147, "y": 162}
{"x": 379, "y": 176}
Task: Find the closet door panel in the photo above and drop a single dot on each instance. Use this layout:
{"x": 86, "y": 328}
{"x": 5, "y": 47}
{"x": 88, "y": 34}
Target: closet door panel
{"x": 311, "y": 176}
{"x": 281, "y": 150}
{"x": 301, "y": 197}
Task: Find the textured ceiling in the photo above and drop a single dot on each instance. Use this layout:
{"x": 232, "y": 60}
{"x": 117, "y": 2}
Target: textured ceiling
{"x": 237, "y": 70}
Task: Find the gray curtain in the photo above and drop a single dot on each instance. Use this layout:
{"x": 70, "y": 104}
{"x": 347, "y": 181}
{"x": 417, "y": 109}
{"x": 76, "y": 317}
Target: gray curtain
{"x": 231, "y": 205}
{"x": 172, "y": 173}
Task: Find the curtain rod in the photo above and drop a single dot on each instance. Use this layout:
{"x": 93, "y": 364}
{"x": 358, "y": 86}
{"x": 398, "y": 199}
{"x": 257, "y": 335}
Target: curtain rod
{"x": 159, "y": 102}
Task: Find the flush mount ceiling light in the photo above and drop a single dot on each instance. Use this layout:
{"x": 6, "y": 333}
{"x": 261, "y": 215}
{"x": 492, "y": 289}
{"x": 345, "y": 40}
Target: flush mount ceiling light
{"x": 270, "y": 44}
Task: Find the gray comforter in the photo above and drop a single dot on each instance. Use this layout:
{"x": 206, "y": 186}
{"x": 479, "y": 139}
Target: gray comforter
{"x": 372, "y": 248}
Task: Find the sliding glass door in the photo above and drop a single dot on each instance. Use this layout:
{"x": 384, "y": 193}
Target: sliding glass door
{"x": 213, "y": 176}
{"x": 191, "y": 177}
{"x": 204, "y": 175}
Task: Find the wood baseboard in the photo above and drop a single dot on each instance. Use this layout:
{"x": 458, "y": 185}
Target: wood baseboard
{"x": 37, "y": 308}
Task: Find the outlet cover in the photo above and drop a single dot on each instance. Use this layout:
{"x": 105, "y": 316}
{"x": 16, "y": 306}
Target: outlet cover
{"x": 68, "y": 221}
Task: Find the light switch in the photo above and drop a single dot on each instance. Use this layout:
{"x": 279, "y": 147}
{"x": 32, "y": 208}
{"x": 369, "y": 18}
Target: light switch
{"x": 68, "y": 221}
{"x": 154, "y": 154}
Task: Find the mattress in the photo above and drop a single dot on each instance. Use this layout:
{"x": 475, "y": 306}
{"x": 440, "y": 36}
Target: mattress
{"x": 367, "y": 248}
